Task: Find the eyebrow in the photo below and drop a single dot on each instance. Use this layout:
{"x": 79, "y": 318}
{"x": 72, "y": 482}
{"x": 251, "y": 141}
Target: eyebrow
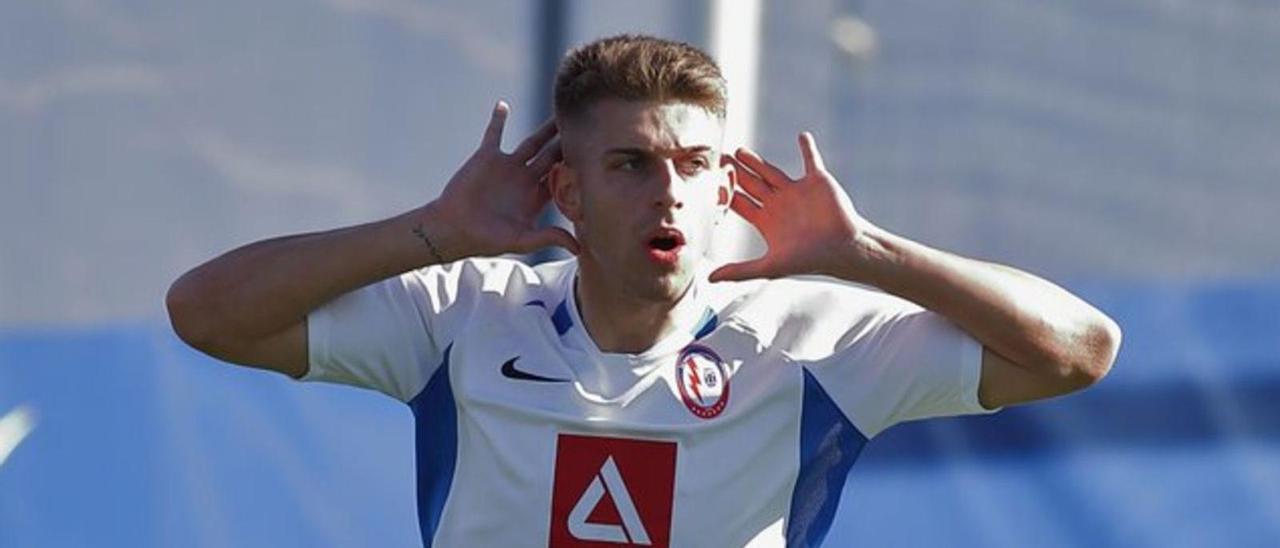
{"x": 636, "y": 151}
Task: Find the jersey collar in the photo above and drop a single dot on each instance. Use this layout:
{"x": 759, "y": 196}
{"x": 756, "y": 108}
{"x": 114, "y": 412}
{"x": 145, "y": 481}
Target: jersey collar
{"x": 694, "y": 318}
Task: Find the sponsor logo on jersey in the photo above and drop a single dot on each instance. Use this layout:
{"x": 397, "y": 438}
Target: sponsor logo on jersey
{"x": 509, "y": 371}
{"x": 703, "y": 381}
{"x": 612, "y": 492}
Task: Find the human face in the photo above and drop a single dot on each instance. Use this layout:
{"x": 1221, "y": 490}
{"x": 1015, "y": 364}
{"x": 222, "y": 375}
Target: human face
{"x": 643, "y": 186}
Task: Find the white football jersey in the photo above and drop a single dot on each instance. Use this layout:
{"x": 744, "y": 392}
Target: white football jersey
{"x": 739, "y": 428}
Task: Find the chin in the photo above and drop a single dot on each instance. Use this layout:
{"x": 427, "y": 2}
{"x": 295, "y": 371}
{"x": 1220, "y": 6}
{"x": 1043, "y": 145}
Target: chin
{"x": 634, "y": 278}
{"x": 666, "y": 287}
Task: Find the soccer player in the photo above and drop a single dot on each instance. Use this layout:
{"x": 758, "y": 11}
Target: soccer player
{"x": 632, "y": 395}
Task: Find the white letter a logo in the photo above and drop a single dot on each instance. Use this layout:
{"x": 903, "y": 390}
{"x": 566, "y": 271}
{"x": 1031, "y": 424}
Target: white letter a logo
{"x": 630, "y": 531}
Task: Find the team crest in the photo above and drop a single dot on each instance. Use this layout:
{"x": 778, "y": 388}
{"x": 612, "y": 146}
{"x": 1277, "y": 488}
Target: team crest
{"x": 703, "y": 381}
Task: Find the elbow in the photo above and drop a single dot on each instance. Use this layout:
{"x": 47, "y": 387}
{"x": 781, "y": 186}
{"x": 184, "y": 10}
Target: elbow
{"x": 1097, "y": 348}
{"x": 187, "y": 316}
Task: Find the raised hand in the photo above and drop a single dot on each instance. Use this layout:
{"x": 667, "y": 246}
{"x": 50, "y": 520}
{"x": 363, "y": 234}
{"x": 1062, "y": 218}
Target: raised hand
{"x": 491, "y": 204}
{"x": 809, "y": 223}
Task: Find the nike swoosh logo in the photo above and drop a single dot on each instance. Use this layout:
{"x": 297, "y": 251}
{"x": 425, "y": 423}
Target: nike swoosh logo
{"x": 509, "y": 371}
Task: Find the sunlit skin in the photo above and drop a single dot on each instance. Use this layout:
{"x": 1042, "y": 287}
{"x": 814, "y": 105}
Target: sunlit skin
{"x": 630, "y": 170}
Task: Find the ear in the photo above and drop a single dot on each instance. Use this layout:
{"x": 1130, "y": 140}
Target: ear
{"x": 728, "y": 185}
{"x": 562, "y": 182}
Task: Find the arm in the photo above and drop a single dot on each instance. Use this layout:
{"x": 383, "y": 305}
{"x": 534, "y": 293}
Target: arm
{"x": 250, "y": 305}
{"x": 1039, "y": 340}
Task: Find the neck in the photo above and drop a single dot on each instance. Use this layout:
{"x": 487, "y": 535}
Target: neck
{"x": 618, "y": 322}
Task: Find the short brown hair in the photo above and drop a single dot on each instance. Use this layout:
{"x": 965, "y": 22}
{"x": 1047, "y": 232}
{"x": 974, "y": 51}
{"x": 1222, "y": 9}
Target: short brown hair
{"x": 638, "y": 68}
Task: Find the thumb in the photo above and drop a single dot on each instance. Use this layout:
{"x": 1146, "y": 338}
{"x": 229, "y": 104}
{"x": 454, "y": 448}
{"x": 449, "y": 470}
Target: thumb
{"x": 758, "y": 268}
{"x": 548, "y": 236}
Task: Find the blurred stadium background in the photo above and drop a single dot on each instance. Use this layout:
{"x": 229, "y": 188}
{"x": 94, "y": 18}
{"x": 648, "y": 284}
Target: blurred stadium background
{"x": 1129, "y": 150}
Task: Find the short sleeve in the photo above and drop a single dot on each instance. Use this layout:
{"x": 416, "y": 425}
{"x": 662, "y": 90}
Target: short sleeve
{"x": 901, "y": 363}
{"x": 387, "y": 336}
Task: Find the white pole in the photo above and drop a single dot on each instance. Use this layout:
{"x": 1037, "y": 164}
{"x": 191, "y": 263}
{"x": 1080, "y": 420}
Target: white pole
{"x": 734, "y": 29}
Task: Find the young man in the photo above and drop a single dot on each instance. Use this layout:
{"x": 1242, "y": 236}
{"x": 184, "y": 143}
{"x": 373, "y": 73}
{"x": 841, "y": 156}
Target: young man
{"x": 628, "y": 396}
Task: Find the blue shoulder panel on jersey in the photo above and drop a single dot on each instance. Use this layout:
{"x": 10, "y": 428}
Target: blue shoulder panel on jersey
{"x": 561, "y": 318}
{"x": 829, "y": 444}
{"x": 436, "y": 433}
{"x": 707, "y": 324}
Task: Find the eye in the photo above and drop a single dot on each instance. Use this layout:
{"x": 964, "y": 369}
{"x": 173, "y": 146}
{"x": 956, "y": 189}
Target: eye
{"x": 695, "y": 165}
{"x": 630, "y": 163}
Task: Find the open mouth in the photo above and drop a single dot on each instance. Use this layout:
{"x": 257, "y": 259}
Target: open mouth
{"x": 664, "y": 245}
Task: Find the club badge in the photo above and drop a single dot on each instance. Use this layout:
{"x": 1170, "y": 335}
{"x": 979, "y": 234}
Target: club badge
{"x": 703, "y": 380}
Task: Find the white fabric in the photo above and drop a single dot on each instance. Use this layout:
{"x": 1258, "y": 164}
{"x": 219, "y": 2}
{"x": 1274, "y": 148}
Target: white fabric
{"x": 881, "y": 360}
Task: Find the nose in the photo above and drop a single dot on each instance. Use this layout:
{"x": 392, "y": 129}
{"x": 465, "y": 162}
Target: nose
{"x": 670, "y": 185}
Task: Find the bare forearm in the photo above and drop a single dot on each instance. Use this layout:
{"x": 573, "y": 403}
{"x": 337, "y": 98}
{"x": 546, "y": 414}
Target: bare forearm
{"x": 1028, "y": 320}
{"x": 249, "y": 306}
{"x": 263, "y": 287}
{"x": 1040, "y": 341}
